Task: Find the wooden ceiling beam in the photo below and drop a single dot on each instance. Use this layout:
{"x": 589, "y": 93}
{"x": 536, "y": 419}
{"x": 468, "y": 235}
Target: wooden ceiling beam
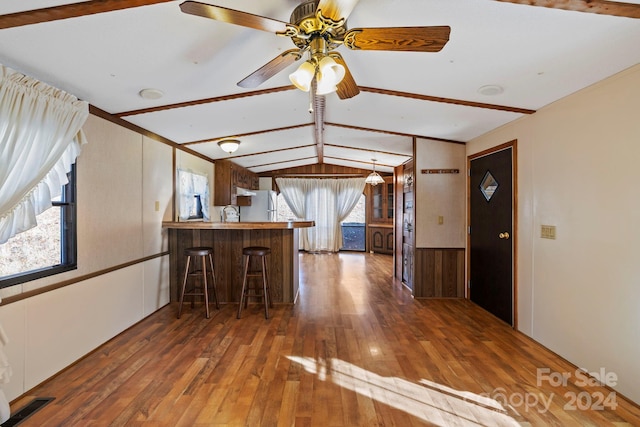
{"x": 240, "y": 135}
{"x": 127, "y": 125}
{"x": 430, "y": 98}
{"x": 206, "y": 101}
{"x": 260, "y": 153}
{"x": 369, "y": 150}
{"x": 72, "y": 10}
{"x": 602, "y": 7}
{"x": 388, "y": 132}
{"x": 280, "y": 162}
{"x": 362, "y": 161}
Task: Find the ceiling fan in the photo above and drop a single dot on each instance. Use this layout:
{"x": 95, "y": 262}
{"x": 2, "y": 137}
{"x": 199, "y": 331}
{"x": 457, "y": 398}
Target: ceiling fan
{"x": 317, "y": 28}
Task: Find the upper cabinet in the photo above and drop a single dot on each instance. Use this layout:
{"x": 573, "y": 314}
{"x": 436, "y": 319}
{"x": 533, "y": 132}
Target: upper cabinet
{"x": 228, "y": 178}
{"x": 380, "y": 236}
{"x": 381, "y": 206}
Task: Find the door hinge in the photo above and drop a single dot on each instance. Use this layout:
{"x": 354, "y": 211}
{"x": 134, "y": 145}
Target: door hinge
{"x": 469, "y": 284}
{"x": 469, "y": 230}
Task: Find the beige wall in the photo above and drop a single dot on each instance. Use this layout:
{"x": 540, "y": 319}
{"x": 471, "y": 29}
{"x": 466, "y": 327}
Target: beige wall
{"x": 120, "y": 176}
{"x": 579, "y": 295}
{"x": 157, "y": 188}
{"x": 439, "y": 195}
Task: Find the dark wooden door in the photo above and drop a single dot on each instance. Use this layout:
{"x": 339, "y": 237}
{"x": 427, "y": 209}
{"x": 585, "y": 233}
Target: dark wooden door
{"x": 491, "y": 233}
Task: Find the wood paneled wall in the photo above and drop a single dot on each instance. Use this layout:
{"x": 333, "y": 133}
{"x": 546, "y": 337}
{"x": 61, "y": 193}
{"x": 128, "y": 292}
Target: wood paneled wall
{"x": 439, "y": 273}
{"x": 227, "y": 246}
{"x": 317, "y": 169}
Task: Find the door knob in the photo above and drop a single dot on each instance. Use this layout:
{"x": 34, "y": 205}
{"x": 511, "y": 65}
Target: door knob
{"x": 504, "y": 235}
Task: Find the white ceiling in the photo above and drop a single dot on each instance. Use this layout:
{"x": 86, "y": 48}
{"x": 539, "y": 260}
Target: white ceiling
{"x": 538, "y": 55}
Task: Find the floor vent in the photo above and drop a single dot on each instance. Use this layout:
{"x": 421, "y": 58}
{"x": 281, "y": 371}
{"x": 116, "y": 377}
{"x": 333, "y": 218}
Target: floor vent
{"x": 31, "y": 408}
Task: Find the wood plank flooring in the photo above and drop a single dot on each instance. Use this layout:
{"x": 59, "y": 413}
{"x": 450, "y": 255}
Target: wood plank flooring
{"x": 356, "y": 350}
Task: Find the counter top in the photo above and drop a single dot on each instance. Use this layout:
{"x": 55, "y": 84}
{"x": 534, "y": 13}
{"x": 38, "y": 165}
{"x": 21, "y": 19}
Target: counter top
{"x": 267, "y": 225}
{"x": 380, "y": 225}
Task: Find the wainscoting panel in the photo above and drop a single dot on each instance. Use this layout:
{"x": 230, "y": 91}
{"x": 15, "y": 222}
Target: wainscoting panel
{"x": 439, "y": 273}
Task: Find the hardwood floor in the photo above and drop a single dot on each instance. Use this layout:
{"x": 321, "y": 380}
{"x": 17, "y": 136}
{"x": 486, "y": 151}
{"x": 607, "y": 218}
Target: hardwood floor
{"x": 356, "y": 350}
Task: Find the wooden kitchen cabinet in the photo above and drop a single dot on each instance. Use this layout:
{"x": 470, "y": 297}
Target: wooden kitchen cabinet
{"x": 227, "y": 178}
{"x": 381, "y": 205}
{"x": 381, "y": 239}
{"x": 380, "y": 234}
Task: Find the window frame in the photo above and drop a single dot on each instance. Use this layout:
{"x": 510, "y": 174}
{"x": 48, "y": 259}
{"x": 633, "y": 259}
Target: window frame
{"x": 68, "y": 238}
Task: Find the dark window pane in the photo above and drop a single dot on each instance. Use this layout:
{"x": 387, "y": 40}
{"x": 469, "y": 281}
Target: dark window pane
{"x": 47, "y": 249}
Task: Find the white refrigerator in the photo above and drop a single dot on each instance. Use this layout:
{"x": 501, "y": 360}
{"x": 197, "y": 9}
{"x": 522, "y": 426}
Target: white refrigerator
{"x": 264, "y": 206}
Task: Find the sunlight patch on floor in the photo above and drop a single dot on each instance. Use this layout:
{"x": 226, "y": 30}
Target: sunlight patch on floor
{"x": 429, "y": 401}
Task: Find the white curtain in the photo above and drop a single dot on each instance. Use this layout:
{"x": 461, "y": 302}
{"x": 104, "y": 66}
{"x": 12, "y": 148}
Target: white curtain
{"x": 348, "y": 192}
{"x": 293, "y": 190}
{"x": 327, "y": 202}
{"x": 40, "y": 138}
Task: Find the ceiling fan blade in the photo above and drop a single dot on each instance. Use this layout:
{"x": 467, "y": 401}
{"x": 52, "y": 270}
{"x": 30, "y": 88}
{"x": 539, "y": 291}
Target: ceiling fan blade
{"x": 408, "y": 39}
{"x": 347, "y": 88}
{"x": 237, "y": 17}
{"x": 271, "y": 68}
{"x": 604, "y": 7}
{"x": 336, "y": 10}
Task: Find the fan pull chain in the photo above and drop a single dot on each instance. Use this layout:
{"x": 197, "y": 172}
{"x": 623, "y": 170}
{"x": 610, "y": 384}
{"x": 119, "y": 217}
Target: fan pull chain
{"x": 312, "y": 92}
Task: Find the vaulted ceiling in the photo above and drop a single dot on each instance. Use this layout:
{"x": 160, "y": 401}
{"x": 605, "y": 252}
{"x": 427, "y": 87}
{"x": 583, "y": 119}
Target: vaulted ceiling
{"x": 503, "y": 60}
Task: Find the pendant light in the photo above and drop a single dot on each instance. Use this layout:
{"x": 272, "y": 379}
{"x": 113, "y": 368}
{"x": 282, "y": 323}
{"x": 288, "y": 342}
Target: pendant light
{"x": 374, "y": 177}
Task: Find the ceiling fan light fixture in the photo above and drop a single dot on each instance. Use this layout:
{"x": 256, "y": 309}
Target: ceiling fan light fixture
{"x": 330, "y": 73}
{"x": 303, "y": 76}
{"x": 325, "y": 86}
{"x": 329, "y": 68}
{"x": 229, "y": 145}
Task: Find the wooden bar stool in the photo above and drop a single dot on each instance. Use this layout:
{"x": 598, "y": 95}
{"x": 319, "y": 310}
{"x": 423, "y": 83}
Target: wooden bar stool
{"x": 203, "y": 253}
{"x": 254, "y": 292}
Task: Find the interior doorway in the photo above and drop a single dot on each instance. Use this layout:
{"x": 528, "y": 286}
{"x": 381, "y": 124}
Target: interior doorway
{"x": 491, "y": 238}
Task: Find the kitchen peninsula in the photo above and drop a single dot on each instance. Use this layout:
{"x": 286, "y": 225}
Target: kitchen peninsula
{"x": 227, "y": 240}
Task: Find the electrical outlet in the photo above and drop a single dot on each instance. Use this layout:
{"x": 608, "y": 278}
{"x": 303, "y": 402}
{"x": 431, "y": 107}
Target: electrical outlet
{"x": 157, "y": 206}
{"x": 548, "y": 232}
{"x": 440, "y": 220}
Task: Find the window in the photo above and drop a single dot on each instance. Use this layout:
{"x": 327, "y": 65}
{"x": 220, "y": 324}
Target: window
{"x": 193, "y": 190}
{"x": 353, "y": 227}
{"x": 283, "y": 211}
{"x": 47, "y": 249}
